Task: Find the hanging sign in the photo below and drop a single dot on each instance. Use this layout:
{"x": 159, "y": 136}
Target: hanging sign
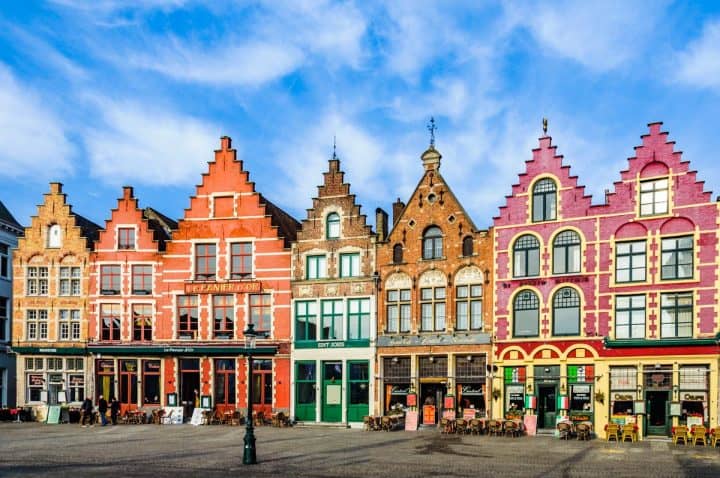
{"x": 411, "y": 420}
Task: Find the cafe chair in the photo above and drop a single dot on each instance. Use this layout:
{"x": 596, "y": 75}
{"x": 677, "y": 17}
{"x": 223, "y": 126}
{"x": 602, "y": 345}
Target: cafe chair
{"x": 512, "y": 429}
{"x": 368, "y": 423}
{"x": 698, "y": 434}
{"x": 445, "y": 426}
{"x": 612, "y": 431}
{"x": 628, "y": 431}
{"x": 461, "y": 426}
{"x": 495, "y": 428}
{"x": 564, "y": 430}
{"x": 583, "y": 431}
{"x": 475, "y": 426}
{"x": 715, "y": 436}
{"x": 679, "y": 433}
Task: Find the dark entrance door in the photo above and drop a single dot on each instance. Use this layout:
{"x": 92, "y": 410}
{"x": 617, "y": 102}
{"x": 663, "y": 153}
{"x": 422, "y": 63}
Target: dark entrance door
{"x": 189, "y": 385}
{"x": 657, "y": 413}
{"x": 433, "y": 394}
{"x": 547, "y": 403}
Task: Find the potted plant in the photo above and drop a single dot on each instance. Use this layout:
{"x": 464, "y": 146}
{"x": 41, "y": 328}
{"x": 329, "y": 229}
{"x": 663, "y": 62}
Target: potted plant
{"x": 496, "y": 393}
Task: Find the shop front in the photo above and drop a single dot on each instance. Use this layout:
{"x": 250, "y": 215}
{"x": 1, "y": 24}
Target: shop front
{"x": 433, "y": 377}
{"x": 514, "y": 393}
{"x": 397, "y": 383}
{"x": 470, "y": 385}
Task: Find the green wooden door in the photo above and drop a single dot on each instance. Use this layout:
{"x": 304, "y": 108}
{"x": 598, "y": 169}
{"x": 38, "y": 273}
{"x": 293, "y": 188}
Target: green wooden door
{"x": 358, "y": 394}
{"x": 657, "y": 419}
{"x": 332, "y": 392}
{"x": 305, "y": 386}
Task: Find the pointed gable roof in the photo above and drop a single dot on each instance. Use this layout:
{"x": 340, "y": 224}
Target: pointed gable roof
{"x": 8, "y": 219}
{"x": 332, "y": 191}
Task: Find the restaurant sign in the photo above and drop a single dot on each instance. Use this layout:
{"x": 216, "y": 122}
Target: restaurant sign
{"x": 223, "y": 287}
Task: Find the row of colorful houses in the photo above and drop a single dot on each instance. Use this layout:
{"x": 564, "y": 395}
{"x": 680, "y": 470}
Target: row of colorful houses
{"x": 563, "y": 308}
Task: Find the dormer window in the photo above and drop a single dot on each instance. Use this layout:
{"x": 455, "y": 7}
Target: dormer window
{"x": 544, "y": 201}
{"x": 654, "y": 197}
{"x": 126, "y": 238}
{"x": 432, "y": 243}
{"x": 332, "y": 225}
{"x": 54, "y": 237}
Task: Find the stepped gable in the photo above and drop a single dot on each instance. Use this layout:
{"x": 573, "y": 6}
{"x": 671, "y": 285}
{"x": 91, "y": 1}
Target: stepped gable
{"x": 154, "y": 228}
{"x": 227, "y": 195}
{"x": 333, "y": 192}
{"x": 545, "y": 162}
{"x": 8, "y": 219}
{"x": 656, "y": 156}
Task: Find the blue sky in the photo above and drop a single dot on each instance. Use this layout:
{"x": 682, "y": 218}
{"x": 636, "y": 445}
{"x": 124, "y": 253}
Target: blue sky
{"x": 98, "y": 94}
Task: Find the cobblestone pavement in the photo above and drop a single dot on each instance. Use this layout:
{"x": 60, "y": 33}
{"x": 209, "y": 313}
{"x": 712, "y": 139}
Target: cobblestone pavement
{"x": 33, "y": 449}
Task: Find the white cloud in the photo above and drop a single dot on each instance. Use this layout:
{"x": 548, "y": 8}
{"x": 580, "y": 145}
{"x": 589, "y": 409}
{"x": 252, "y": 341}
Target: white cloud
{"x": 109, "y": 6}
{"x": 246, "y": 64}
{"x": 33, "y": 137}
{"x": 146, "y": 146}
{"x": 600, "y": 35}
{"x": 699, "y": 64}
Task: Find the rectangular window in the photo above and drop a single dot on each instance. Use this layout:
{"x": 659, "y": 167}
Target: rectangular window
{"x": 654, "y": 197}
{"x": 69, "y": 324}
{"x": 305, "y": 320}
{"x": 37, "y": 281}
{"x": 142, "y": 322}
{"x": 432, "y": 309}
{"x": 349, "y": 265}
{"x": 110, "y": 280}
{"x": 3, "y": 319}
{"x": 76, "y": 388}
{"x": 676, "y": 312}
{"x": 110, "y": 321}
{"x": 260, "y": 312}
{"x": 36, "y": 327}
{"x": 468, "y": 307}
{"x": 126, "y": 238}
{"x": 630, "y": 317}
{"x": 69, "y": 281}
{"x": 677, "y": 258}
{"x": 4, "y": 261}
{"x": 223, "y": 314}
{"x": 332, "y": 320}
{"x": 241, "y": 260}
{"x": 142, "y": 280}
{"x": 630, "y": 261}
{"x": 35, "y": 386}
{"x": 205, "y": 261}
{"x": 151, "y": 382}
{"x": 358, "y": 319}
{"x": 316, "y": 267}
{"x": 187, "y": 316}
{"x": 398, "y": 311}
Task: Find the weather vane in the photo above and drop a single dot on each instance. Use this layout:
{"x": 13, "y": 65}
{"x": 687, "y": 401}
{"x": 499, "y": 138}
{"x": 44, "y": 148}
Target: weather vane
{"x": 334, "y": 147}
{"x": 432, "y": 128}
{"x": 545, "y": 123}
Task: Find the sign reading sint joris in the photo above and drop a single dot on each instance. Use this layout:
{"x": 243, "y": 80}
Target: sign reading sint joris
{"x": 227, "y": 287}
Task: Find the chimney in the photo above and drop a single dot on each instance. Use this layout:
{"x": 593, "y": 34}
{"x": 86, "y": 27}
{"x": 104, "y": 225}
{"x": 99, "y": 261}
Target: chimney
{"x": 127, "y": 192}
{"x": 56, "y": 188}
{"x": 398, "y": 207}
{"x": 381, "y": 224}
{"x": 225, "y": 143}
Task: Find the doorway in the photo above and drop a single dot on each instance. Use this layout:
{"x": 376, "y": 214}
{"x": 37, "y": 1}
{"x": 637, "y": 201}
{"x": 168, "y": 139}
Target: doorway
{"x": 128, "y": 384}
{"x": 189, "y": 385}
{"x": 262, "y": 386}
{"x": 547, "y": 406}
{"x": 332, "y": 392}
{"x": 432, "y": 394}
{"x": 657, "y": 413}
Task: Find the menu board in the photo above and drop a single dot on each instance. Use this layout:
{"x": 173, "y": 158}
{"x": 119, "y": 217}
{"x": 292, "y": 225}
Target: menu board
{"x": 411, "y": 420}
{"x": 197, "y": 416}
{"x": 53, "y": 415}
{"x": 412, "y": 400}
{"x": 530, "y": 422}
{"x": 429, "y": 415}
{"x": 468, "y": 413}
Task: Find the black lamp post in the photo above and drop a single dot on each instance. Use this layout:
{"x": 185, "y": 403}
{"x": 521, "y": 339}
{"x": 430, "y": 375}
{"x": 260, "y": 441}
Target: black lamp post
{"x": 249, "y": 457}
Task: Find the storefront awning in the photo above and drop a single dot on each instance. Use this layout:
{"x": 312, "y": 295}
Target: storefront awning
{"x": 195, "y": 350}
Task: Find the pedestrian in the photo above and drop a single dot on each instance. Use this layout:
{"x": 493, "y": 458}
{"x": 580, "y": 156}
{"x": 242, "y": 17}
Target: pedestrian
{"x": 86, "y": 412}
{"x": 102, "y": 408}
{"x": 114, "y": 410}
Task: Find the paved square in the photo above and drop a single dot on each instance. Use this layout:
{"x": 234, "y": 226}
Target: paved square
{"x": 33, "y": 449}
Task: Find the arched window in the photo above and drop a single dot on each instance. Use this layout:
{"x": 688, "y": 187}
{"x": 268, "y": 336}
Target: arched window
{"x": 526, "y": 314}
{"x": 467, "y": 246}
{"x": 332, "y": 225}
{"x": 544, "y": 206}
{"x": 397, "y": 254}
{"x": 526, "y": 256}
{"x": 54, "y": 237}
{"x": 566, "y": 312}
{"x": 566, "y": 253}
{"x": 432, "y": 243}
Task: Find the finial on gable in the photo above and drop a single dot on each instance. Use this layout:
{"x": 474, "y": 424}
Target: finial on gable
{"x": 432, "y": 128}
{"x": 545, "y": 126}
{"x": 334, "y": 147}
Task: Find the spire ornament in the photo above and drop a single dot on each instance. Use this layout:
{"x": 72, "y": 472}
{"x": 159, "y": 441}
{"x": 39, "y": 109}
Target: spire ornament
{"x": 545, "y": 125}
{"x": 432, "y": 128}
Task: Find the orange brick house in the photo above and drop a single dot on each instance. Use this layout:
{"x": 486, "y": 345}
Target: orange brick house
{"x": 51, "y": 277}
{"x": 434, "y": 315}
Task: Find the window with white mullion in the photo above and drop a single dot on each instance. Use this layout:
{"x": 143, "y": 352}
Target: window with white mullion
{"x": 630, "y": 317}
{"x": 677, "y": 258}
{"x": 654, "y": 197}
{"x": 630, "y": 261}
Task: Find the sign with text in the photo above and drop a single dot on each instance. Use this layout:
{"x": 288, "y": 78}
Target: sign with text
{"x": 53, "y": 415}
{"x": 429, "y": 415}
{"x": 411, "y": 420}
{"x": 223, "y": 287}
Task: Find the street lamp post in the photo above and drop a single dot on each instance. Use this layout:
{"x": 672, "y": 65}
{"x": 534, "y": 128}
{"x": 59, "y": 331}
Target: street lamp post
{"x": 249, "y": 457}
